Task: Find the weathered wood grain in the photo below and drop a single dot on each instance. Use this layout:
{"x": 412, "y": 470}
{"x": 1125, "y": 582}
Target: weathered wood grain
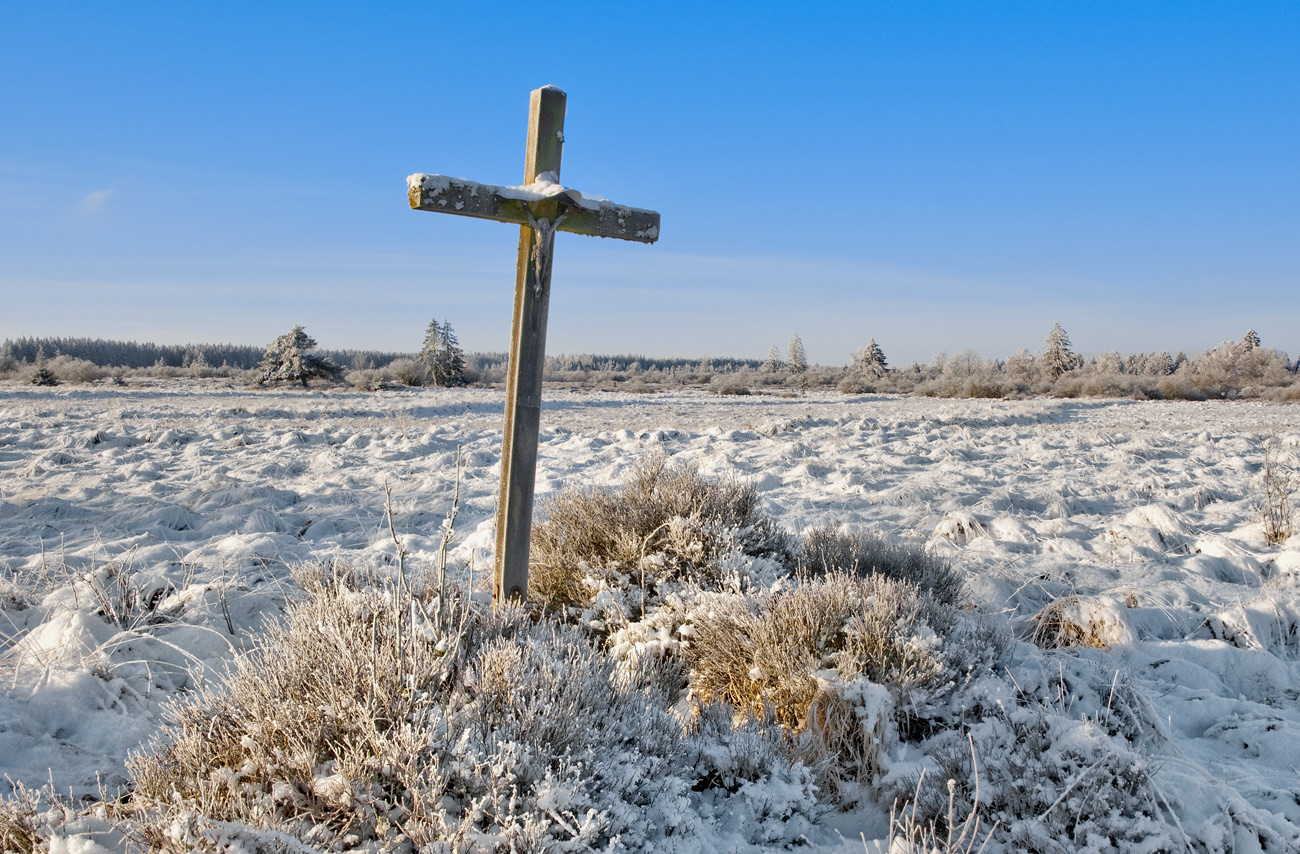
{"x": 596, "y": 218}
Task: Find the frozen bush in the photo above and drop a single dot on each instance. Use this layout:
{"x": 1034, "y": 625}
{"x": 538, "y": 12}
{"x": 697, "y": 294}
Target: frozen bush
{"x": 408, "y": 372}
{"x": 853, "y": 383}
{"x": 1051, "y": 784}
{"x": 1178, "y": 387}
{"x": 1056, "y": 777}
{"x": 367, "y": 379}
{"x": 1284, "y": 394}
{"x": 383, "y": 719}
{"x": 834, "y": 659}
{"x": 825, "y": 550}
{"x": 731, "y": 384}
{"x": 77, "y": 371}
{"x": 775, "y": 798}
{"x": 1240, "y": 369}
{"x": 664, "y": 523}
{"x": 1277, "y": 488}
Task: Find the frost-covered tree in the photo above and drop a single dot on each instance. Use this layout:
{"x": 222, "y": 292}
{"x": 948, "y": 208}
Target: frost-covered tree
{"x": 1021, "y": 366}
{"x": 442, "y": 355}
{"x": 1058, "y": 358}
{"x": 42, "y": 375}
{"x": 1249, "y": 341}
{"x": 795, "y": 356}
{"x": 7, "y": 360}
{"x": 1228, "y": 369}
{"x": 773, "y": 363}
{"x": 870, "y": 360}
{"x": 289, "y": 359}
{"x": 1111, "y": 363}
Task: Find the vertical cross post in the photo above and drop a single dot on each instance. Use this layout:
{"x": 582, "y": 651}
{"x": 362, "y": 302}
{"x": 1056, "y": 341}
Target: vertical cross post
{"x": 527, "y": 354}
{"x": 541, "y": 207}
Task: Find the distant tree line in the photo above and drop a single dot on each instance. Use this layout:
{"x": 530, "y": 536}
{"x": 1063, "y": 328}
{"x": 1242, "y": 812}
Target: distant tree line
{"x": 132, "y": 354}
{"x": 1244, "y": 368}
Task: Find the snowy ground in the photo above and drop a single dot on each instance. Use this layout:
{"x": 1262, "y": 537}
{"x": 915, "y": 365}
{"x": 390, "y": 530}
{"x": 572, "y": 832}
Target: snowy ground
{"x": 198, "y": 497}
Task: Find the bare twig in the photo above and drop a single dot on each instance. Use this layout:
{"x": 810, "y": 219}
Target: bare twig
{"x": 1279, "y": 487}
{"x": 448, "y": 530}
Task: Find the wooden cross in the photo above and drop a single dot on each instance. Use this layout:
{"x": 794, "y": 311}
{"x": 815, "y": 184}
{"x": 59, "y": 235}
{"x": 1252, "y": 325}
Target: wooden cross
{"x": 542, "y": 206}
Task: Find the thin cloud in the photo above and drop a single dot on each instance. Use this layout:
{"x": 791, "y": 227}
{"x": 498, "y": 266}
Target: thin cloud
{"x": 93, "y": 201}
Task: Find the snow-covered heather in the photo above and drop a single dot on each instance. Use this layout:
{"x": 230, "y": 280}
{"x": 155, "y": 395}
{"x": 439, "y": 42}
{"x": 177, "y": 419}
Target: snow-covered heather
{"x": 146, "y": 531}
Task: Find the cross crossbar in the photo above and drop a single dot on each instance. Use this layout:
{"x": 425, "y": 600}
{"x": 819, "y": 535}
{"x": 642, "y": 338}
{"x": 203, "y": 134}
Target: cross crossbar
{"x": 582, "y": 214}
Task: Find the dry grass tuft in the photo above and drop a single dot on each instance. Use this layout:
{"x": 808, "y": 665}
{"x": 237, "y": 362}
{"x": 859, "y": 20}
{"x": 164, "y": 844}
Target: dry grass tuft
{"x": 1073, "y": 621}
{"x": 21, "y": 828}
{"x": 311, "y": 731}
{"x": 816, "y": 656}
{"x": 827, "y": 549}
{"x": 665, "y": 522}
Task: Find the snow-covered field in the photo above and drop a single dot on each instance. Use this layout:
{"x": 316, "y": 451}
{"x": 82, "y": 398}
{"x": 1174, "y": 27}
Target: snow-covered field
{"x": 146, "y": 531}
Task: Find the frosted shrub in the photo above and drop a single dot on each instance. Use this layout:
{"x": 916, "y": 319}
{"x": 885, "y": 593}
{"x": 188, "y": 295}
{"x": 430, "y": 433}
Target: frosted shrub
{"x": 76, "y": 371}
{"x": 1278, "y": 487}
{"x": 381, "y": 719}
{"x": 852, "y": 383}
{"x": 367, "y": 379}
{"x": 833, "y": 660}
{"x": 664, "y": 523}
{"x": 1240, "y": 369}
{"x": 732, "y": 384}
{"x": 408, "y": 372}
{"x": 964, "y": 374}
{"x": 1055, "y": 776}
{"x": 1178, "y": 387}
{"x": 774, "y": 798}
{"x": 824, "y": 550}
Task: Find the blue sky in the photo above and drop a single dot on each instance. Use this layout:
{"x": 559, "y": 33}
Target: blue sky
{"x": 933, "y": 175}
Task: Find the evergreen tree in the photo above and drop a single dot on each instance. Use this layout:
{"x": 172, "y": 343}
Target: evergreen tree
{"x": 289, "y": 359}
{"x": 795, "y": 355}
{"x": 429, "y": 352}
{"x": 442, "y": 355}
{"x": 772, "y": 364}
{"x": 1057, "y": 355}
{"x": 43, "y": 375}
{"x": 870, "y": 360}
{"x": 1249, "y": 342}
